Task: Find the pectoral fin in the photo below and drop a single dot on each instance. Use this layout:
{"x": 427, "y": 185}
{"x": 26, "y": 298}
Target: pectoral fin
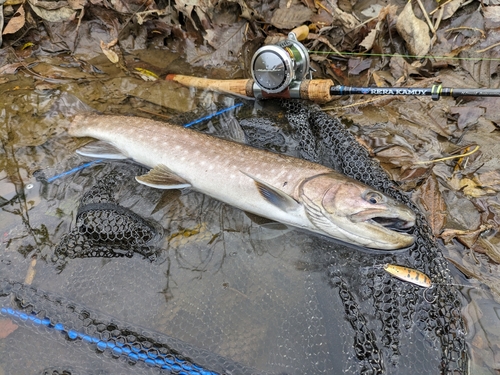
{"x": 274, "y": 196}
{"x": 101, "y": 150}
{"x": 160, "y": 177}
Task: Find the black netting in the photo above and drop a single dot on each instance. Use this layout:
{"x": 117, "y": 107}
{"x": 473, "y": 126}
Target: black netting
{"x": 105, "y": 229}
{"x": 397, "y": 306}
{"x": 109, "y": 337}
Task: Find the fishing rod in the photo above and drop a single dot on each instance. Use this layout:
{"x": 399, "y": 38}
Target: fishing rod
{"x": 283, "y": 70}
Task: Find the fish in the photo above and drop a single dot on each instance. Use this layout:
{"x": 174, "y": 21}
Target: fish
{"x": 282, "y": 188}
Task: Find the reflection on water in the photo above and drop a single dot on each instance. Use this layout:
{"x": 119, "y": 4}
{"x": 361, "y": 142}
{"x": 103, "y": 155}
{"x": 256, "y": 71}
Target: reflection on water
{"x": 223, "y": 283}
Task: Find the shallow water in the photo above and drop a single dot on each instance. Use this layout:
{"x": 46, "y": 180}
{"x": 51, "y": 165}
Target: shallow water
{"x": 221, "y": 283}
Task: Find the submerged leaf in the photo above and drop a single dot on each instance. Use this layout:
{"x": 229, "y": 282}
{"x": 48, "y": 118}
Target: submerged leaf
{"x": 110, "y": 54}
{"x": 6, "y": 328}
{"x": 434, "y": 204}
{"x": 466, "y": 237}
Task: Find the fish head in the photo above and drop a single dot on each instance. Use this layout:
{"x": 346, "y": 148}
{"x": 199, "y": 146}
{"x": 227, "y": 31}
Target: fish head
{"x": 348, "y": 210}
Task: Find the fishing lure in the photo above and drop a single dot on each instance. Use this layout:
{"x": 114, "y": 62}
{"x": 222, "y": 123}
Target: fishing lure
{"x": 412, "y": 276}
{"x": 409, "y": 274}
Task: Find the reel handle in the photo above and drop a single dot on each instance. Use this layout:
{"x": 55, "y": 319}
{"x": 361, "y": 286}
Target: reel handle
{"x": 301, "y": 32}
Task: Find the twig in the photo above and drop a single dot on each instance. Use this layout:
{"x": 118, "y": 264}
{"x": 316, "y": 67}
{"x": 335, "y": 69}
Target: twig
{"x": 449, "y": 157}
{"x": 431, "y": 26}
{"x": 466, "y": 28}
{"x": 439, "y": 18}
{"x": 488, "y": 48}
{"x": 441, "y": 6}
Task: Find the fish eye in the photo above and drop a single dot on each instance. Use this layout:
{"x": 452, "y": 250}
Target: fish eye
{"x": 373, "y": 197}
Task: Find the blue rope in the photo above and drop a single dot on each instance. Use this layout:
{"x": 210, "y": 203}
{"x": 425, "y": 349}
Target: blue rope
{"x": 213, "y": 115}
{"x": 150, "y": 357}
{"x": 83, "y": 166}
{"x": 76, "y": 169}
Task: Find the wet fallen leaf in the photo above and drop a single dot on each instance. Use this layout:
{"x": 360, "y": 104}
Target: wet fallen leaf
{"x": 10, "y": 68}
{"x": 110, "y": 54}
{"x": 483, "y": 246}
{"x": 16, "y": 22}
{"x": 434, "y": 204}
{"x": 466, "y": 237}
{"x": 470, "y": 188}
{"x": 489, "y": 179}
{"x": 246, "y": 12}
{"x": 6, "y": 328}
{"x": 414, "y": 31}
{"x": 146, "y": 75}
{"x": 492, "y": 16}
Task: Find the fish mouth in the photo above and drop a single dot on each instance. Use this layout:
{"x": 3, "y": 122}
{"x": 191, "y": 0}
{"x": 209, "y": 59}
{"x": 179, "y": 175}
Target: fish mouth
{"x": 396, "y": 224}
{"x": 399, "y": 221}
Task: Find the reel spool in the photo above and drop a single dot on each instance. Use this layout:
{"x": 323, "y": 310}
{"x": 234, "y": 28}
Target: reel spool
{"x": 276, "y": 67}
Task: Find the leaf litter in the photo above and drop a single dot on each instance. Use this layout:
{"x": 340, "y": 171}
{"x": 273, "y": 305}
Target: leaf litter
{"x": 112, "y": 54}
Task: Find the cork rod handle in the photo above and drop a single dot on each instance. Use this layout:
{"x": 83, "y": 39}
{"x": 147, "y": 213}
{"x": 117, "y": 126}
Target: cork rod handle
{"x": 233, "y": 86}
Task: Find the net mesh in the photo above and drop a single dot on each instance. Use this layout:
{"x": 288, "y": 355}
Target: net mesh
{"x": 396, "y": 305}
{"x": 337, "y": 310}
{"x": 106, "y": 229}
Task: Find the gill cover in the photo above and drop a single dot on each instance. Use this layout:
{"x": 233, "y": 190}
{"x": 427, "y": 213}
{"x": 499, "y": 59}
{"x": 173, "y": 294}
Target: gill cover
{"x": 348, "y": 210}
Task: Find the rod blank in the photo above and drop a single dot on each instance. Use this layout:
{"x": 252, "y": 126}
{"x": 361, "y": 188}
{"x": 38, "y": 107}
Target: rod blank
{"x": 436, "y": 91}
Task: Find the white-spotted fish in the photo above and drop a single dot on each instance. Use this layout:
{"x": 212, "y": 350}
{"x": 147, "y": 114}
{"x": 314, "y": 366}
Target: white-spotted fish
{"x": 282, "y": 188}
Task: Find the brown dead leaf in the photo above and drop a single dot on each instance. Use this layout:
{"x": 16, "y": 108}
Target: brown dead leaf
{"x": 467, "y": 115}
{"x": 483, "y": 246}
{"x": 227, "y": 41}
{"x": 414, "y": 31}
{"x": 110, "y": 54}
{"x": 470, "y": 188}
{"x": 200, "y": 8}
{"x": 10, "y": 68}
{"x": 16, "y": 22}
{"x": 489, "y": 179}
{"x": 451, "y": 7}
{"x": 434, "y": 204}
{"x": 466, "y": 237}
{"x": 356, "y": 66}
{"x": 396, "y": 155}
{"x": 387, "y": 11}
{"x": 52, "y": 11}
{"x": 288, "y": 18}
{"x": 6, "y": 328}
{"x": 383, "y": 78}
{"x": 367, "y": 43}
